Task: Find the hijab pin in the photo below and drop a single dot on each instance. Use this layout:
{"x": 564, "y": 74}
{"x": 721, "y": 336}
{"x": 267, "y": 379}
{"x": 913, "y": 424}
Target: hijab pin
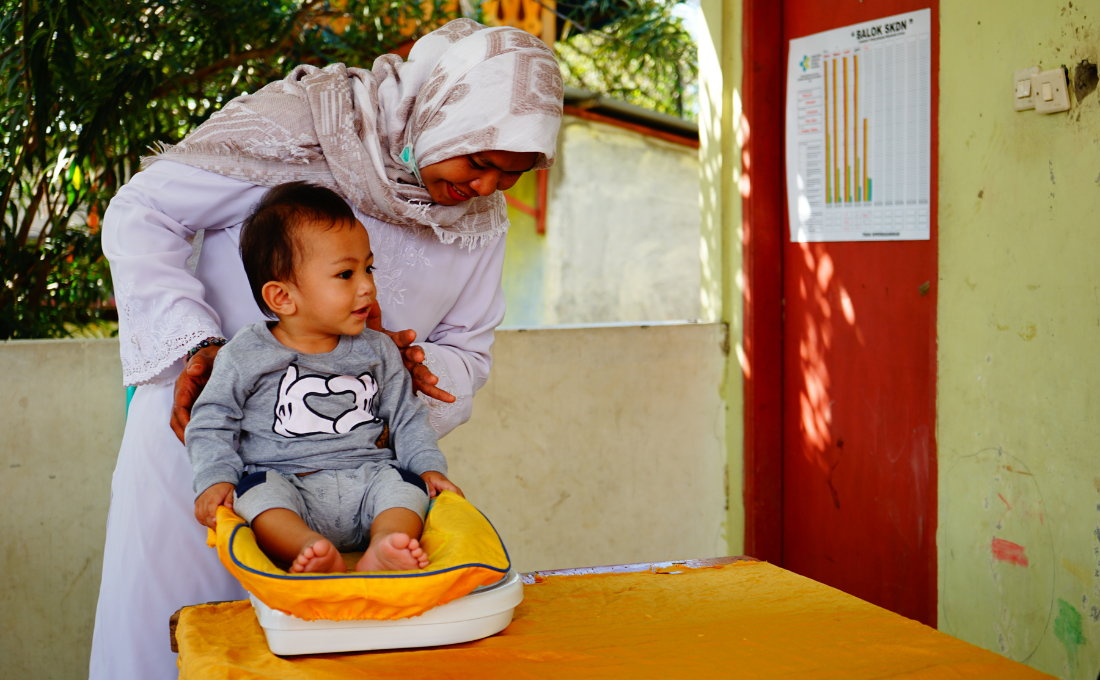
{"x": 409, "y": 160}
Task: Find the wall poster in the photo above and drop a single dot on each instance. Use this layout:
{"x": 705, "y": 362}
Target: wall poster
{"x": 858, "y": 138}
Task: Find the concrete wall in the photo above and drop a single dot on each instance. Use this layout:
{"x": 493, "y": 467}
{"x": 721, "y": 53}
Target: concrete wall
{"x": 600, "y": 445}
{"x": 62, "y": 409}
{"x": 587, "y": 446}
{"x": 1019, "y": 332}
{"x": 622, "y": 233}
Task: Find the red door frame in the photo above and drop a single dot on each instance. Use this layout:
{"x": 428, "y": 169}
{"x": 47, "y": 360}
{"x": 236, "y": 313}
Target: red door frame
{"x": 762, "y": 87}
{"x": 763, "y": 204}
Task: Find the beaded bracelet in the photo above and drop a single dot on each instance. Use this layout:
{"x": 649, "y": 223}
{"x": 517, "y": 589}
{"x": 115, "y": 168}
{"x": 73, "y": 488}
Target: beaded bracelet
{"x": 209, "y": 342}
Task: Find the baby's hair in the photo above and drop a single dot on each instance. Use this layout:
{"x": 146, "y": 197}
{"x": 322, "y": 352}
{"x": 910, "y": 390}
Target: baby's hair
{"x": 270, "y": 247}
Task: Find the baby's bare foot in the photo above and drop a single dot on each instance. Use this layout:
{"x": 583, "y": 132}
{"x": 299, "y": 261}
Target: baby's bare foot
{"x": 320, "y": 556}
{"x": 396, "y": 552}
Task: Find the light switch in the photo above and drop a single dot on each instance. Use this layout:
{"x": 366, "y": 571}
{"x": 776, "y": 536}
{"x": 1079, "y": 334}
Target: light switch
{"x": 1025, "y": 93}
{"x": 1053, "y": 91}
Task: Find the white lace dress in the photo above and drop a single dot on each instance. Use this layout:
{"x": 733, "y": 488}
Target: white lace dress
{"x": 156, "y": 559}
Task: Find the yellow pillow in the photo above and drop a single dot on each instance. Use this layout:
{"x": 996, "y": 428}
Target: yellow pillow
{"x": 464, "y": 549}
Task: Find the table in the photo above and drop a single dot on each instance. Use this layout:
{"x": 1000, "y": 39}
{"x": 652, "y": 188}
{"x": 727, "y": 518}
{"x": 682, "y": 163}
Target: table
{"x": 722, "y": 617}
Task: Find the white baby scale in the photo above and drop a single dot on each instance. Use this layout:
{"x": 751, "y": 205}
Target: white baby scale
{"x": 485, "y": 611}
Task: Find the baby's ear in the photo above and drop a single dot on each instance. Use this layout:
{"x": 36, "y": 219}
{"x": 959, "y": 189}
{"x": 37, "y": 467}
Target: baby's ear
{"x": 277, "y": 296}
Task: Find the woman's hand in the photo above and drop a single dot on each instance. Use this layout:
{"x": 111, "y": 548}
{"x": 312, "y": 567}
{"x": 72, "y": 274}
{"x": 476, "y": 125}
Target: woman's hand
{"x": 189, "y": 385}
{"x": 206, "y": 505}
{"x": 413, "y": 357}
{"x": 437, "y": 482}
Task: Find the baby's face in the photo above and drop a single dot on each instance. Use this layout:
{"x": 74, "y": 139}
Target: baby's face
{"x": 335, "y": 284}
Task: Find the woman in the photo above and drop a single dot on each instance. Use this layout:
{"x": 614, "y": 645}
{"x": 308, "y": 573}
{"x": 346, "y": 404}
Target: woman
{"x": 419, "y": 150}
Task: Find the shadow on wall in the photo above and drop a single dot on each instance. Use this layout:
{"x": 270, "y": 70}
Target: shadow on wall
{"x": 857, "y": 438}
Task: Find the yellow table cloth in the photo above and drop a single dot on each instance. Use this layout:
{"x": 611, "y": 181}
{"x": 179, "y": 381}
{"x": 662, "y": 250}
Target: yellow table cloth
{"x": 744, "y": 620}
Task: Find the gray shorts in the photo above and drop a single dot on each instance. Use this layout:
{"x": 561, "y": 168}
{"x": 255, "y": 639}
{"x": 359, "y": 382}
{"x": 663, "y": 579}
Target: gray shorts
{"x": 338, "y": 504}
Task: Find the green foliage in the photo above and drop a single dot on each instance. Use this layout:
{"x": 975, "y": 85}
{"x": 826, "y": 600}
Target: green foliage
{"x": 637, "y": 51}
{"x": 89, "y": 86}
{"x": 70, "y": 295}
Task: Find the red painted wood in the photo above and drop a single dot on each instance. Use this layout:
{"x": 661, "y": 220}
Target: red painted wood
{"x": 761, "y": 135}
{"x": 520, "y": 206}
{"x": 542, "y": 178}
{"x": 542, "y": 182}
{"x": 859, "y": 449}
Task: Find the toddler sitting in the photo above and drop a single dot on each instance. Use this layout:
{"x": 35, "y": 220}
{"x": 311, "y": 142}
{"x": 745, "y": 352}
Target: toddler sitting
{"x": 316, "y": 408}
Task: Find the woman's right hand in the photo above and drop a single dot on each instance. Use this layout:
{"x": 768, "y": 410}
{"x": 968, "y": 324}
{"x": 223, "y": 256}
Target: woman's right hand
{"x": 423, "y": 379}
{"x": 189, "y": 385}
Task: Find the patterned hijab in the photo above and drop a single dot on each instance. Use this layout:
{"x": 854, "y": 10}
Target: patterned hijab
{"x": 365, "y": 134}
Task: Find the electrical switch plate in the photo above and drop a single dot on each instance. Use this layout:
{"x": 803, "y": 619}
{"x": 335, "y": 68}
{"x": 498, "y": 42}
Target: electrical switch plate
{"x": 1024, "y": 92}
{"x": 1050, "y": 92}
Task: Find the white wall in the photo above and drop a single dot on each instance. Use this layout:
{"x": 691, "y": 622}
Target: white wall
{"x": 622, "y": 228}
{"x": 587, "y": 446}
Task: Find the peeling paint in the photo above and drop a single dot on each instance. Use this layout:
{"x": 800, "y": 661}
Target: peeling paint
{"x": 1085, "y": 79}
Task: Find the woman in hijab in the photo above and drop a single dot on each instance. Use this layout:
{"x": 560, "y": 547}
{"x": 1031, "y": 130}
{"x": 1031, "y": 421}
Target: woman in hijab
{"x": 420, "y": 150}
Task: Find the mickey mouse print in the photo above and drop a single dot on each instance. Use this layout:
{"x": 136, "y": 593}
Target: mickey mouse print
{"x": 296, "y": 417}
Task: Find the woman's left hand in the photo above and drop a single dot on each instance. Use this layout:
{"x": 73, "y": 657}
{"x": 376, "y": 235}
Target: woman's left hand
{"x": 413, "y": 356}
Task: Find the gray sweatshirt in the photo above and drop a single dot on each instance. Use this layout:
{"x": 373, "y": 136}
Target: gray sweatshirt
{"x": 274, "y": 408}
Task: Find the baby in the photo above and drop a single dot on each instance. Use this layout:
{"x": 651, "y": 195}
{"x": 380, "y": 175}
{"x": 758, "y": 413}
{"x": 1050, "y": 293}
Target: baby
{"x": 318, "y": 409}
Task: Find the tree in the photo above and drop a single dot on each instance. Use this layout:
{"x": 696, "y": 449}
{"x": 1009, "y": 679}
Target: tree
{"x": 637, "y": 51}
{"x": 90, "y": 86}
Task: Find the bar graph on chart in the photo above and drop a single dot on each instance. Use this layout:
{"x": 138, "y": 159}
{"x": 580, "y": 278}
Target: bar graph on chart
{"x": 856, "y": 186}
{"x": 859, "y": 132}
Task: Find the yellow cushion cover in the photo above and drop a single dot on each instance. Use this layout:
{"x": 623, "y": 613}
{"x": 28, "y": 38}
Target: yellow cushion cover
{"x": 463, "y": 547}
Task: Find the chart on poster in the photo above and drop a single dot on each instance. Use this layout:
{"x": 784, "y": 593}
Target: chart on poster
{"x": 858, "y": 131}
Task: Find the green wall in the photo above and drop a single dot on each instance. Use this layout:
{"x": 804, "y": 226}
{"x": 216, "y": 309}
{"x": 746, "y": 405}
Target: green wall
{"x": 721, "y": 287}
{"x": 524, "y": 260}
{"x": 1019, "y": 339}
